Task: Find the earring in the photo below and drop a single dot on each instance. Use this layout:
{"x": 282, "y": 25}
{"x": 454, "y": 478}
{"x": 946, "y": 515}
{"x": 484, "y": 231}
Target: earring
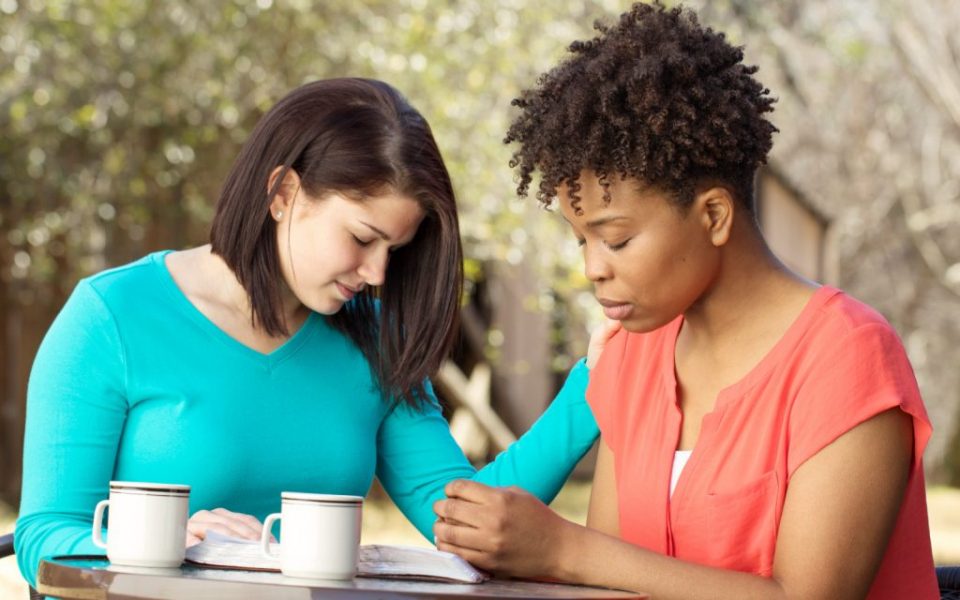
{"x": 279, "y": 214}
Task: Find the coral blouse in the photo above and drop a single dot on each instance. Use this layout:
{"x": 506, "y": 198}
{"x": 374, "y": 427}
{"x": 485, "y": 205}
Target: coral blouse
{"x": 839, "y": 364}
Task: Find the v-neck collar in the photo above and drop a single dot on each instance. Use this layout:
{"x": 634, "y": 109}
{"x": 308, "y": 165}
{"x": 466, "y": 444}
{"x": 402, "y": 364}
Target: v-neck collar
{"x": 267, "y": 360}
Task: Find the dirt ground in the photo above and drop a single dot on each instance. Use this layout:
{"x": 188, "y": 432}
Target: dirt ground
{"x": 383, "y": 524}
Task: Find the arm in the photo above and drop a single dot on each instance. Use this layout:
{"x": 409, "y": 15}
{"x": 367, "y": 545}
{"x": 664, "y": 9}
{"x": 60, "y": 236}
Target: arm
{"x": 603, "y": 514}
{"x": 417, "y": 456}
{"x": 829, "y": 546}
{"x": 542, "y": 459}
{"x": 76, "y": 409}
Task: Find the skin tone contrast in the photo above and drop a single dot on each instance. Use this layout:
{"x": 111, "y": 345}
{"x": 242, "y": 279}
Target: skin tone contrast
{"x": 650, "y": 262}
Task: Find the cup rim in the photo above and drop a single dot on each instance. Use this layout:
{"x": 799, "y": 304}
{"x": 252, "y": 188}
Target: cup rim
{"x": 144, "y": 486}
{"x": 326, "y": 498}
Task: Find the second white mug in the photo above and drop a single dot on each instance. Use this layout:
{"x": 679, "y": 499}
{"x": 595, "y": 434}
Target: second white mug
{"x": 319, "y": 535}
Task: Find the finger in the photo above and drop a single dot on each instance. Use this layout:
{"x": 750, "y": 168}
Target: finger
{"x": 239, "y": 525}
{"x": 464, "y": 514}
{"x": 192, "y": 540}
{"x": 203, "y": 521}
{"x": 602, "y": 335}
{"x": 196, "y": 528}
{"x": 451, "y": 521}
{"x": 227, "y": 530}
{"x": 240, "y": 519}
{"x": 470, "y": 491}
{"x": 463, "y": 537}
{"x": 442, "y": 505}
{"x": 611, "y": 328}
{"x": 250, "y": 520}
{"x": 481, "y": 560}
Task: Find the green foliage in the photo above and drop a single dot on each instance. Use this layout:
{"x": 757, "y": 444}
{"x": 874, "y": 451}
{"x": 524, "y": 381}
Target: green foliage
{"x": 120, "y": 118}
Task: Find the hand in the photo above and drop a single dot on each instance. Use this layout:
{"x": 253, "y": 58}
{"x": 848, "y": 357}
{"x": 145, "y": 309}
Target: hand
{"x": 599, "y": 339}
{"x": 223, "y": 521}
{"x": 504, "y": 530}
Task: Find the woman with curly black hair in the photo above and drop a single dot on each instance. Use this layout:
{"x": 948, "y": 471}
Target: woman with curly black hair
{"x": 762, "y": 435}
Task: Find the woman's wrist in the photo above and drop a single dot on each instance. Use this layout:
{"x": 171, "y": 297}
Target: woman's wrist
{"x": 568, "y": 552}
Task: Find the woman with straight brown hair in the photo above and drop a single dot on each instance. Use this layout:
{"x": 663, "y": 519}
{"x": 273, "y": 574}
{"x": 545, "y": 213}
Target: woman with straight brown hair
{"x": 291, "y": 353}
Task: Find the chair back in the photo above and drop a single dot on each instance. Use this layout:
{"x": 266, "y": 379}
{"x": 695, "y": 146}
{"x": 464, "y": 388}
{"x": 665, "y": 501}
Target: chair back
{"x": 949, "y": 580}
{"x": 7, "y": 549}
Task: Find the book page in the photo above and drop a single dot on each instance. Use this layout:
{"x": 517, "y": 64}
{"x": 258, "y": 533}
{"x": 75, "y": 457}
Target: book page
{"x": 220, "y": 551}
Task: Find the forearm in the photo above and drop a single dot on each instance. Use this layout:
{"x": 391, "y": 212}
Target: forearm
{"x": 42, "y": 535}
{"x": 589, "y": 557}
{"x": 542, "y": 459}
{"x": 417, "y": 456}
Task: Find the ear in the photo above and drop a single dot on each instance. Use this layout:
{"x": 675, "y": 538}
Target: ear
{"x": 716, "y": 208}
{"x": 282, "y": 203}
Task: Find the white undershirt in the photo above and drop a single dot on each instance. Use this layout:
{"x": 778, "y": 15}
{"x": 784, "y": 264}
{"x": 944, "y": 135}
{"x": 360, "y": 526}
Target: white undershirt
{"x": 680, "y": 458}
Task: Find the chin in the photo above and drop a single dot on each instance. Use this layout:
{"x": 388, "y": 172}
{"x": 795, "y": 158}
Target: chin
{"x": 325, "y": 307}
{"x": 644, "y": 323}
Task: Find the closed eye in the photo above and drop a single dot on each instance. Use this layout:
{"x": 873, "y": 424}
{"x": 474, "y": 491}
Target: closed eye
{"x": 361, "y": 243}
{"x": 619, "y": 246}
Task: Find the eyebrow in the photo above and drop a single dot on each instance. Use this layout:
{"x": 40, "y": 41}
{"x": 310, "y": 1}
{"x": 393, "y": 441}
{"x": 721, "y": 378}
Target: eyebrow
{"x": 377, "y": 231}
{"x": 602, "y": 221}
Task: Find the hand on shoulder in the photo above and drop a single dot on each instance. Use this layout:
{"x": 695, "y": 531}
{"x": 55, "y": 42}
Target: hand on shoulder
{"x": 599, "y": 339}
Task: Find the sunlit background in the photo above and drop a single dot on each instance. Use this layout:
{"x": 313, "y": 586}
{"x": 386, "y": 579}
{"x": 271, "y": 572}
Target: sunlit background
{"x": 120, "y": 118}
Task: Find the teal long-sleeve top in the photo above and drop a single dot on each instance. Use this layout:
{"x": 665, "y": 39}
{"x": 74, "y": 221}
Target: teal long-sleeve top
{"x": 133, "y": 383}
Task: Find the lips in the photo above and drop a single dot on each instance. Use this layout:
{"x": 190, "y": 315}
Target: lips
{"x": 347, "y": 292}
{"x": 614, "y": 309}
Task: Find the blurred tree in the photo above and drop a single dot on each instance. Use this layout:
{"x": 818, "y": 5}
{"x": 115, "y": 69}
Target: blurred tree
{"x": 869, "y": 119}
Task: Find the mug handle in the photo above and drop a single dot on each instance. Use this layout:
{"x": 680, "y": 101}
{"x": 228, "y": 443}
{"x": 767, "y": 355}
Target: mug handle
{"x": 98, "y": 524}
{"x": 265, "y": 535}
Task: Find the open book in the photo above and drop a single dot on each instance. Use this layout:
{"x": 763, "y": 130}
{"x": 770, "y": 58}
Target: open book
{"x": 406, "y": 562}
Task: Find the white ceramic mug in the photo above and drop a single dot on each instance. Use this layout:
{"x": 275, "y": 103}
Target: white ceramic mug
{"x": 319, "y": 535}
{"x": 148, "y": 523}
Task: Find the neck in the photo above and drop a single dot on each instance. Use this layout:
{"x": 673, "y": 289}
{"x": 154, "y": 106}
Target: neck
{"x": 231, "y": 293}
{"x": 752, "y": 285}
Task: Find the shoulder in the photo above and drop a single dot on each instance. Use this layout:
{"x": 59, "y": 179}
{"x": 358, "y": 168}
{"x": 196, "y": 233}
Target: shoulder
{"x": 119, "y": 288}
{"x": 849, "y": 367}
{"x": 121, "y": 280}
{"x": 95, "y": 313}
{"x": 846, "y": 332}
{"x": 844, "y": 313}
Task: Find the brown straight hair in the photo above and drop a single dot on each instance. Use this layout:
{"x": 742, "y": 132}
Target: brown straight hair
{"x": 357, "y": 137}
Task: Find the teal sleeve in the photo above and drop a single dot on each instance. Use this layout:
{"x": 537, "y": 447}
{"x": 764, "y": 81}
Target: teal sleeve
{"x": 417, "y": 456}
{"x": 75, "y": 414}
{"x": 542, "y": 459}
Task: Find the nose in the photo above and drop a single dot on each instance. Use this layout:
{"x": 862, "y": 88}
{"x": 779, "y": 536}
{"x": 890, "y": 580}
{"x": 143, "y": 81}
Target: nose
{"x": 373, "y": 269}
{"x": 595, "y": 267}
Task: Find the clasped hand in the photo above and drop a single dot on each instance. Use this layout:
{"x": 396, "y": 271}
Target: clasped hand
{"x": 504, "y": 530}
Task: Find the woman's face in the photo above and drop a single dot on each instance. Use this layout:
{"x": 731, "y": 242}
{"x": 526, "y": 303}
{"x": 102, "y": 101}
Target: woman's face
{"x": 333, "y": 247}
{"x": 647, "y": 261}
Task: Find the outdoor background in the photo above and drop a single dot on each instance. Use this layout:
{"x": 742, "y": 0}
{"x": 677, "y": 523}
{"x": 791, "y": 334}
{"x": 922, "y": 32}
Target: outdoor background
{"x": 120, "y": 118}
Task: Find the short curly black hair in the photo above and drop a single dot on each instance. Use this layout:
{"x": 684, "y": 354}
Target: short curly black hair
{"x": 656, "y": 97}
